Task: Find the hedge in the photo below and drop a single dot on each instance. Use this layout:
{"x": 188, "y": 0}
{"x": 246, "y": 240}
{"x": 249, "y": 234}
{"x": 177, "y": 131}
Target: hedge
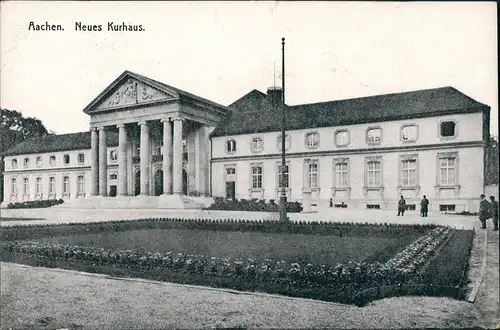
{"x": 256, "y": 205}
{"x": 28, "y": 231}
{"x": 35, "y": 204}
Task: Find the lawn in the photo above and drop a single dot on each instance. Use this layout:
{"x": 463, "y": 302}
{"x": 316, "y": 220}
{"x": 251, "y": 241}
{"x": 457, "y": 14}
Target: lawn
{"x": 301, "y": 248}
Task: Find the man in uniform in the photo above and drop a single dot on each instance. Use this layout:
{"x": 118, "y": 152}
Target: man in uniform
{"x": 424, "y": 206}
{"x": 401, "y": 206}
{"x": 494, "y": 212}
{"x": 484, "y": 211}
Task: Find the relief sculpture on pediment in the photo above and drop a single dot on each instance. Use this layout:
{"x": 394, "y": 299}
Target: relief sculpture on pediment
{"x": 126, "y": 94}
{"x": 148, "y": 94}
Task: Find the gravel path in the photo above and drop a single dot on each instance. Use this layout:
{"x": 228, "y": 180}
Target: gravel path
{"x": 41, "y": 298}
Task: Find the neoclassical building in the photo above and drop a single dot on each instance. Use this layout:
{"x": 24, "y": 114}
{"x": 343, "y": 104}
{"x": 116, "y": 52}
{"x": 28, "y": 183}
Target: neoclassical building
{"x": 153, "y": 145}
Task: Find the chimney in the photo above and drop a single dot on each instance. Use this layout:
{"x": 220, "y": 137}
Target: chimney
{"x": 275, "y": 95}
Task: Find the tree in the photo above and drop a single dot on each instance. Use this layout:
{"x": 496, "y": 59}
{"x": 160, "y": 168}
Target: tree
{"x": 491, "y": 161}
{"x": 14, "y": 129}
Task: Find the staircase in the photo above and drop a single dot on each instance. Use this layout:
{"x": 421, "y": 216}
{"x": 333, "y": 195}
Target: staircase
{"x": 138, "y": 202}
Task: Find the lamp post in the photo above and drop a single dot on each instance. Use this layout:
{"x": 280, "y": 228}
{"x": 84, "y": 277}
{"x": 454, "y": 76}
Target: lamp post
{"x": 283, "y": 216}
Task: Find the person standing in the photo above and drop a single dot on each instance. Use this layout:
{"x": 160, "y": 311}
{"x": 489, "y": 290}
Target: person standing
{"x": 484, "y": 211}
{"x": 424, "y": 206}
{"x": 401, "y": 206}
{"x": 494, "y": 212}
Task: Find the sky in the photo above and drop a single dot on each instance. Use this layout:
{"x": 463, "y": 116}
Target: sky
{"x": 223, "y": 50}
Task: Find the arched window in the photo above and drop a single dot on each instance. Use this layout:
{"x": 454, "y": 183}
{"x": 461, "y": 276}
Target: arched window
{"x": 312, "y": 140}
{"x": 13, "y": 163}
{"x": 66, "y": 159}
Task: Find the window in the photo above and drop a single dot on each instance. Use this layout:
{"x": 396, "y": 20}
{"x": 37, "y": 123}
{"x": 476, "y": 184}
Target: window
{"x": 409, "y": 133}
{"x": 447, "y": 129}
{"x": 26, "y": 186}
{"x": 374, "y": 135}
{"x": 230, "y": 146}
{"x": 230, "y": 171}
{"x": 13, "y": 163}
{"x": 287, "y": 177}
{"x": 26, "y": 162}
{"x": 38, "y": 186}
{"x": 81, "y": 158}
{"x": 39, "y": 161}
{"x": 13, "y": 187}
{"x": 66, "y": 184}
{"x": 373, "y": 177}
{"x": 52, "y": 185}
{"x": 341, "y": 138}
{"x": 313, "y": 175}
{"x": 113, "y": 155}
{"x": 447, "y": 171}
{"x": 408, "y": 172}
{"x": 373, "y": 206}
{"x": 447, "y": 207}
{"x": 256, "y": 177}
{"x": 159, "y": 148}
{"x": 411, "y": 207}
{"x": 81, "y": 184}
{"x": 52, "y": 160}
{"x": 113, "y": 176}
{"x": 287, "y": 142}
{"x": 341, "y": 175}
{"x": 257, "y": 144}
{"x": 312, "y": 140}
{"x": 66, "y": 159}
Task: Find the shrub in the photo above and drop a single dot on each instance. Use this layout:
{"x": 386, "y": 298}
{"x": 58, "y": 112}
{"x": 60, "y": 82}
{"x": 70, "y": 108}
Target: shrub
{"x": 35, "y": 204}
{"x": 253, "y": 205}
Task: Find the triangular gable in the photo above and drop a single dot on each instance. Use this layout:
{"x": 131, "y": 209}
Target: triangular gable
{"x": 129, "y": 90}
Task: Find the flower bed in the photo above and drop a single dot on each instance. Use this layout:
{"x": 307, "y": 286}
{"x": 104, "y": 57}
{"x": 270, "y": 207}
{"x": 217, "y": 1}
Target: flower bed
{"x": 226, "y": 204}
{"x": 35, "y": 204}
{"x": 338, "y": 282}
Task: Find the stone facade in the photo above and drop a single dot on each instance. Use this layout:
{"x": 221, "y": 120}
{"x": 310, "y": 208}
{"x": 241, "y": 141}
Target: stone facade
{"x": 165, "y": 147}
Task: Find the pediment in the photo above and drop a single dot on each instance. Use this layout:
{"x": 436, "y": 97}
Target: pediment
{"x": 131, "y": 91}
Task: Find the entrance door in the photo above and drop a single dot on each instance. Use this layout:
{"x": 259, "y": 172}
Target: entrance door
{"x": 184, "y": 183}
{"x": 158, "y": 183}
{"x": 230, "y": 189}
{"x": 137, "y": 187}
{"x": 112, "y": 191}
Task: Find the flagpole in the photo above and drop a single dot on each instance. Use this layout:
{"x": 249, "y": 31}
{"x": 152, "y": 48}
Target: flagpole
{"x": 283, "y": 215}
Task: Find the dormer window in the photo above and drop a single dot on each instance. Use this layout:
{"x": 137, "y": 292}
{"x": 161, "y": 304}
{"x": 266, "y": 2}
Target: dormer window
{"x": 257, "y": 144}
{"x": 374, "y": 135}
{"x": 312, "y": 140}
{"x": 230, "y": 146}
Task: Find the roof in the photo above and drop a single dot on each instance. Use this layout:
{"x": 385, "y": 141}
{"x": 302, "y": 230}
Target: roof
{"x": 183, "y": 95}
{"x": 63, "y": 142}
{"x": 379, "y": 108}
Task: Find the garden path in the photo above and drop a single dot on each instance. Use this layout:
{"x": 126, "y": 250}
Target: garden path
{"x": 55, "y": 215}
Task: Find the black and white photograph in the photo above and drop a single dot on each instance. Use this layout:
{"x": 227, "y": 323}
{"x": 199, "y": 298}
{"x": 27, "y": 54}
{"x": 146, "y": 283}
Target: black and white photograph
{"x": 249, "y": 165}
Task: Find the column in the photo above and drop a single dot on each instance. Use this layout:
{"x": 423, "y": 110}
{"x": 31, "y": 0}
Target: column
{"x": 122, "y": 160}
{"x": 202, "y": 160}
{"x": 130, "y": 169}
{"x": 167, "y": 156}
{"x": 177, "y": 157}
{"x": 103, "y": 163}
{"x": 144, "y": 158}
{"x": 94, "y": 164}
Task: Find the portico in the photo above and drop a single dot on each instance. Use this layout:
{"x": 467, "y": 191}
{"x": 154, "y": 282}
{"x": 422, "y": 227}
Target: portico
{"x": 163, "y": 143}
